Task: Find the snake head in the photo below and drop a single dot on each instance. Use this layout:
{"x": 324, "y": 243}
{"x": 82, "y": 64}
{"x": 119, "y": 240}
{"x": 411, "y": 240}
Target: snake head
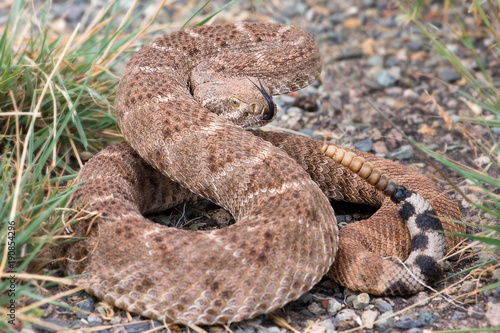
{"x": 271, "y": 107}
{"x": 237, "y": 99}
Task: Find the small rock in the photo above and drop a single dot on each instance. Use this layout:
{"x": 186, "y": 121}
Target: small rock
{"x": 346, "y": 314}
{"x": 375, "y": 61}
{"x": 477, "y": 311}
{"x": 315, "y": 308}
{"x": 380, "y": 148}
{"x": 449, "y": 75}
{"x": 361, "y": 301}
{"x": 384, "y": 78}
{"x": 334, "y": 306}
{"x": 349, "y": 300}
{"x": 286, "y": 99}
{"x": 307, "y": 313}
{"x": 406, "y": 324}
{"x": 348, "y": 53}
{"x": 137, "y": 327}
{"x": 427, "y": 318}
{"x": 468, "y": 286}
{"x": 496, "y": 274}
{"x": 368, "y": 317}
{"x": 330, "y": 324}
{"x": 94, "y": 320}
{"x": 458, "y": 315}
{"x": 395, "y": 72}
{"x": 415, "y": 330}
{"x": 294, "y": 111}
{"x": 307, "y": 131}
{"x": 414, "y": 45}
{"x": 86, "y": 305}
{"x": 248, "y": 329}
{"x": 493, "y": 315}
{"x": 364, "y": 145}
{"x": 402, "y": 153}
{"x": 410, "y": 95}
{"x": 387, "y": 324}
{"x": 273, "y": 329}
{"x": 382, "y": 305}
{"x": 55, "y": 321}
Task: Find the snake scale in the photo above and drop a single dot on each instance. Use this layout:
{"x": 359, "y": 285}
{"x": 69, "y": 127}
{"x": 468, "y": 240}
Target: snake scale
{"x": 181, "y": 106}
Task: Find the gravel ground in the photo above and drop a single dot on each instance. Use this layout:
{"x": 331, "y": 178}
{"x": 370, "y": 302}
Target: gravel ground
{"x": 369, "y": 54}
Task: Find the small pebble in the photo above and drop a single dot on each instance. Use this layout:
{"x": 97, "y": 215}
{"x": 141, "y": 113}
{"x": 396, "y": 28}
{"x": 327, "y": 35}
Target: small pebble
{"x": 468, "y": 286}
{"x": 402, "y": 153}
{"x": 415, "y": 330}
{"x": 384, "y": 78}
{"x": 368, "y": 317}
{"x": 477, "y": 311}
{"x": 55, "y": 321}
{"x": 382, "y": 305}
{"x": 449, "y": 75}
{"x": 94, "y": 320}
{"x": 334, "y": 306}
{"x": 406, "y": 324}
{"x": 493, "y": 315}
{"x": 458, "y": 315}
{"x": 364, "y": 145}
{"x": 380, "y": 148}
{"x": 361, "y": 301}
{"x": 294, "y": 111}
{"x": 315, "y": 308}
{"x": 427, "y": 318}
{"x": 137, "y": 327}
{"x": 387, "y": 324}
{"x": 273, "y": 329}
{"x": 303, "y": 300}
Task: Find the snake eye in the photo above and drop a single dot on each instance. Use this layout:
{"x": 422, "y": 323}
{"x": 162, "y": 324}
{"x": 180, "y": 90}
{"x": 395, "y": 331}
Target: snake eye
{"x": 236, "y": 102}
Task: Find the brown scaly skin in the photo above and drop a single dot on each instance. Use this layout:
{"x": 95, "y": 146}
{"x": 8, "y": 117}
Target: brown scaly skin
{"x": 285, "y": 238}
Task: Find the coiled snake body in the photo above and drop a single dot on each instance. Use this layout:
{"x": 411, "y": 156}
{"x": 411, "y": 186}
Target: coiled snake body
{"x": 276, "y": 186}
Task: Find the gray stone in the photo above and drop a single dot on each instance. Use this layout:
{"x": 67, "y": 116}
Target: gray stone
{"x": 346, "y": 315}
{"x": 294, "y": 111}
{"x": 364, "y": 145}
{"x": 137, "y": 327}
{"x": 449, "y": 75}
{"x": 478, "y": 311}
{"x": 427, "y": 318}
{"x": 307, "y": 131}
{"x": 273, "y": 329}
{"x": 286, "y": 99}
{"x": 384, "y": 78}
{"x": 361, "y": 301}
{"x": 493, "y": 315}
{"x": 458, "y": 315}
{"x": 86, "y": 305}
{"x": 414, "y": 45}
{"x": 386, "y": 322}
{"x": 54, "y": 321}
{"x": 75, "y": 324}
{"x": 402, "y": 153}
{"x": 415, "y": 330}
{"x": 382, "y": 305}
{"x": 330, "y": 324}
{"x": 315, "y": 308}
{"x": 375, "y": 61}
{"x": 334, "y": 306}
{"x": 406, "y": 324}
{"x": 248, "y": 329}
{"x": 395, "y": 72}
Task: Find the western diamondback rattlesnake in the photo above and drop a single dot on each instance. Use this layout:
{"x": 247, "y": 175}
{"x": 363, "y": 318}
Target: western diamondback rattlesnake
{"x": 276, "y": 186}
